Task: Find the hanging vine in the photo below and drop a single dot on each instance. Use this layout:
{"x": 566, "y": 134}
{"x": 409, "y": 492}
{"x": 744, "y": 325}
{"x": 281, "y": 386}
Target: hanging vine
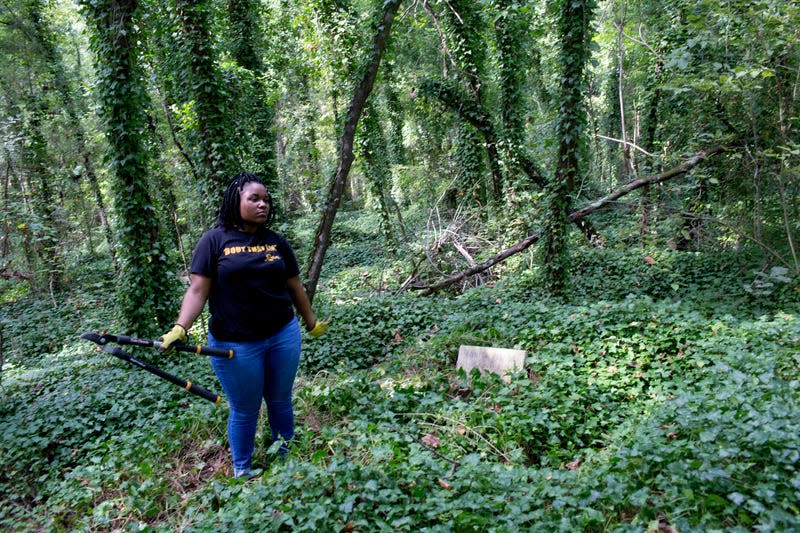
{"x": 394, "y": 115}
{"x": 468, "y": 164}
{"x": 464, "y": 45}
{"x": 246, "y": 42}
{"x": 45, "y": 224}
{"x": 371, "y": 149}
{"x": 511, "y": 32}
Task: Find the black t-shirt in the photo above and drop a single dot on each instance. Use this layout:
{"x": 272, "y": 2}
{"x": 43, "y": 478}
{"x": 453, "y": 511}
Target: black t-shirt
{"x": 249, "y": 298}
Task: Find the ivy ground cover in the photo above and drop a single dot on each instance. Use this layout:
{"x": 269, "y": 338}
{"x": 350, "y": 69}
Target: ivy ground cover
{"x": 664, "y": 401}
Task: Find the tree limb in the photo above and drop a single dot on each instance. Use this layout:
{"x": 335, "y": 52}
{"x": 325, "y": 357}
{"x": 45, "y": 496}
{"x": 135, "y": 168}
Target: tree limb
{"x": 576, "y": 215}
{"x": 681, "y": 169}
{"x": 469, "y": 110}
{"x": 626, "y": 143}
{"x": 17, "y": 275}
{"x": 472, "y": 112}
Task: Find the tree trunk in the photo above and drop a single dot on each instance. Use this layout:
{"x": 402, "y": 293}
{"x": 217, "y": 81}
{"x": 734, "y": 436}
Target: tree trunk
{"x": 511, "y": 28}
{"x": 6, "y": 222}
{"x": 29, "y": 250}
{"x": 575, "y": 27}
{"x": 246, "y": 36}
{"x": 205, "y": 80}
{"x": 322, "y": 237}
{"x": 44, "y": 38}
{"x": 627, "y": 159}
{"x": 650, "y": 140}
{"x": 372, "y": 150}
{"x": 475, "y": 114}
{"x": 463, "y": 42}
{"x": 394, "y": 135}
{"x": 35, "y": 155}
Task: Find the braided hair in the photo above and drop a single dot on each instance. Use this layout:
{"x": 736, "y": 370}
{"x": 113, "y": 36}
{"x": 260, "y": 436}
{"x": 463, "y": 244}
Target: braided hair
{"x": 229, "y": 214}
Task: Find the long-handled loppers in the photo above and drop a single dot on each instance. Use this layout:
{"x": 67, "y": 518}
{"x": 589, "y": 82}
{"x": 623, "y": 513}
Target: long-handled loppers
{"x": 199, "y": 349}
{"x": 104, "y": 339}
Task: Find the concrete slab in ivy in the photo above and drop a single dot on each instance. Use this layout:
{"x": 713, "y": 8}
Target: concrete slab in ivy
{"x": 500, "y": 361}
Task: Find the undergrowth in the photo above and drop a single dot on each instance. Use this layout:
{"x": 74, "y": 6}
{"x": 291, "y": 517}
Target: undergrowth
{"x": 663, "y": 393}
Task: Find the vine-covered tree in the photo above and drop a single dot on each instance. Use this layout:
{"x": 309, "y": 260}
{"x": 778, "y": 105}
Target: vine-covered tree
{"x": 371, "y": 148}
{"x": 145, "y": 294}
{"x": 486, "y": 98}
{"x": 45, "y": 39}
{"x": 212, "y": 125}
{"x": 247, "y": 49}
{"x": 511, "y": 34}
{"x": 361, "y": 92}
{"x": 575, "y": 26}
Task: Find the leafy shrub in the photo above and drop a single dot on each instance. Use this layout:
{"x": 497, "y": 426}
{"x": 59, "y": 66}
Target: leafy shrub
{"x": 36, "y": 324}
{"x": 367, "y": 329}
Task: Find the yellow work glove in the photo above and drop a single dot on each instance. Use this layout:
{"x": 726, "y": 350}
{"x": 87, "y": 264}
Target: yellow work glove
{"x": 319, "y": 328}
{"x": 176, "y": 334}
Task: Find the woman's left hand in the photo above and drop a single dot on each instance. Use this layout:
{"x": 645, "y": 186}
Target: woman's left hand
{"x": 320, "y": 327}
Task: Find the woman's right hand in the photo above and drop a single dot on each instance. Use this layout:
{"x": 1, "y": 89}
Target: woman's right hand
{"x": 193, "y": 302}
{"x": 176, "y": 334}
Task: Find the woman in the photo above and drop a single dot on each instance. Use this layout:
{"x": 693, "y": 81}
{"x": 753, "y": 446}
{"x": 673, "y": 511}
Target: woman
{"x": 250, "y": 277}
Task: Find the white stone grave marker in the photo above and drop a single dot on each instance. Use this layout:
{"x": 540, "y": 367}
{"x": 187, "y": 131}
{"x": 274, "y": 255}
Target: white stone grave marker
{"x": 500, "y": 361}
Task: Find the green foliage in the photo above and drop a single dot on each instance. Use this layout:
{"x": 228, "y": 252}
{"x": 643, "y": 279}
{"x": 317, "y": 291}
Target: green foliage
{"x": 664, "y": 274}
{"x": 663, "y": 391}
{"x": 371, "y": 147}
{"x": 215, "y": 150}
{"x": 25, "y": 336}
{"x": 369, "y": 329}
{"x": 468, "y": 164}
{"x": 93, "y": 427}
{"x": 245, "y": 34}
{"x": 714, "y": 72}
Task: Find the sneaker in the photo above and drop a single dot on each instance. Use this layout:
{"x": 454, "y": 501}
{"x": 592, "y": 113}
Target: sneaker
{"x": 248, "y": 473}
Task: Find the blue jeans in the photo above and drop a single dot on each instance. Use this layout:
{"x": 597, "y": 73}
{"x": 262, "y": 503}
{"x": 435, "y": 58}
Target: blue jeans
{"x": 259, "y": 369}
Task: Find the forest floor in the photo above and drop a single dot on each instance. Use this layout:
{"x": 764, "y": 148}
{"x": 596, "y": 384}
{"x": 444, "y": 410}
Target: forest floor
{"x": 661, "y": 395}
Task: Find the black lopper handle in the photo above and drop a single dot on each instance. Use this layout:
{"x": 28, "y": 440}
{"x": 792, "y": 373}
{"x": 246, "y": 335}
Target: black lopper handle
{"x": 188, "y": 385}
{"x": 199, "y": 349}
{"x": 203, "y": 393}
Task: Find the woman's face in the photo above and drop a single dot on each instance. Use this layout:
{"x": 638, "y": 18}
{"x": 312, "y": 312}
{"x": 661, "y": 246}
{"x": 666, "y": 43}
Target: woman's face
{"x": 253, "y": 205}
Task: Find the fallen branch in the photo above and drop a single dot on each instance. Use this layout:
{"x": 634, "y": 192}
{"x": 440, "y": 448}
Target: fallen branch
{"x": 16, "y": 275}
{"x": 480, "y": 267}
{"x": 681, "y": 169}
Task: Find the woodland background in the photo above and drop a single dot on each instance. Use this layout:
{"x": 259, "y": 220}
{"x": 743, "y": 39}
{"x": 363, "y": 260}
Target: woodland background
{"x": 612, "y": 186}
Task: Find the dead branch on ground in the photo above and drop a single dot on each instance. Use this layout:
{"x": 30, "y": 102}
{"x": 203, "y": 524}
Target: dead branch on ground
{"x": 574, "y": 216}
